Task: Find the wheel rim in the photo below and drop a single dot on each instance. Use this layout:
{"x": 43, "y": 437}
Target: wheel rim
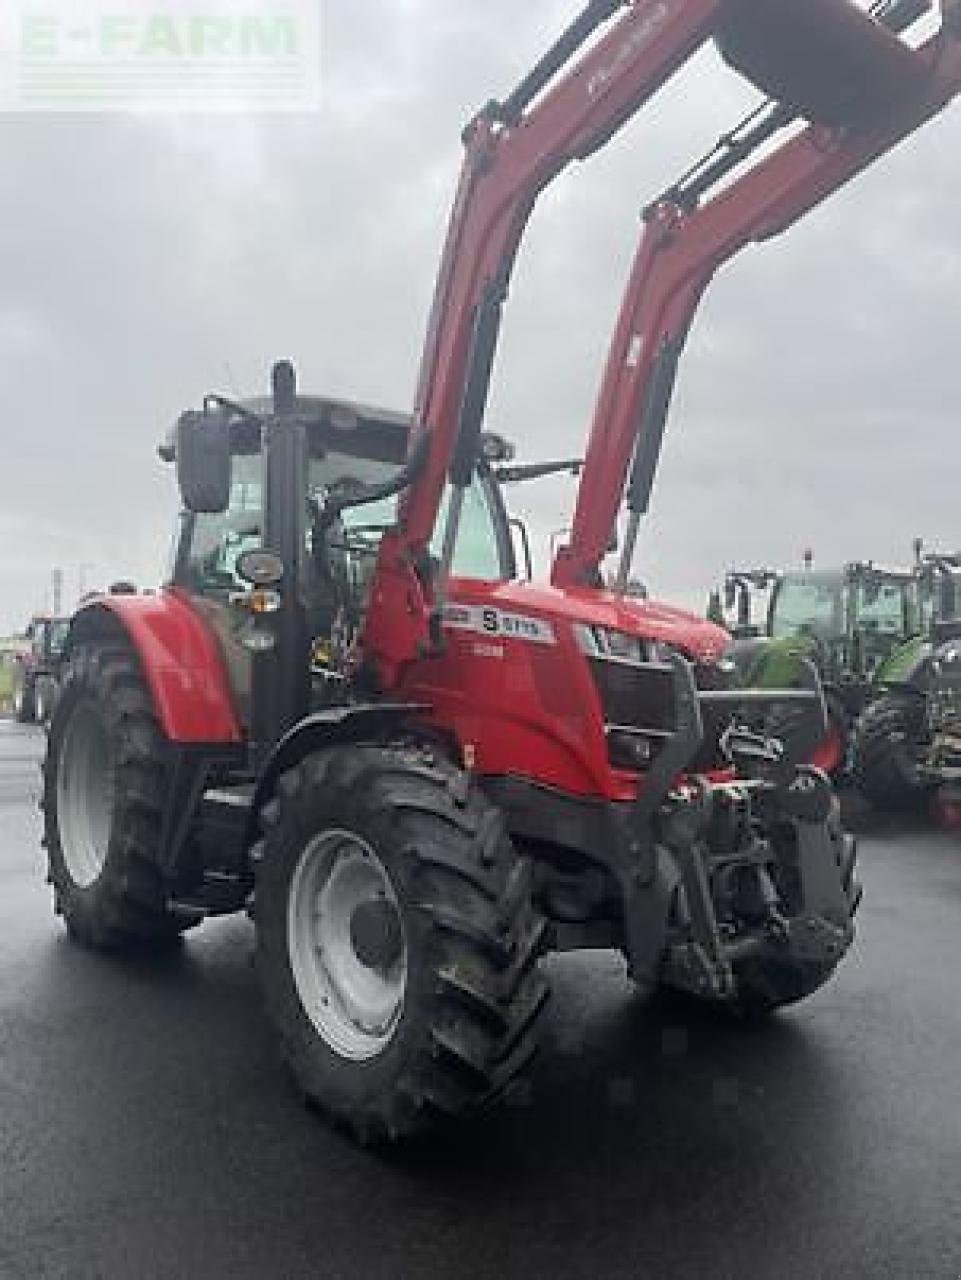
{"x": 346, "y": 944}
{"x": 85, "y": 795}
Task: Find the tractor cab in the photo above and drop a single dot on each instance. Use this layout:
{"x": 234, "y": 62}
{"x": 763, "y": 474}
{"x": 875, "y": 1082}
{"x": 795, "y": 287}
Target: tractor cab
{"x": 852, "y": 618}
{"x": 46, "y": 637}
{"x": 939, "y": 591}
{"x": 746, "y": 591}
{"x": 328, "y": 512}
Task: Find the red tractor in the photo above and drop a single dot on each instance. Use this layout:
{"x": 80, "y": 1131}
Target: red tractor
{"x": 36, "y": 669}
{"x": 417, "y": 773}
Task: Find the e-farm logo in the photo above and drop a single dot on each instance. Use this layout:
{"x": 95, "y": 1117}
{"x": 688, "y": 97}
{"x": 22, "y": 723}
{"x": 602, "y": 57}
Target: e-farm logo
{"x": 159, "y": 55}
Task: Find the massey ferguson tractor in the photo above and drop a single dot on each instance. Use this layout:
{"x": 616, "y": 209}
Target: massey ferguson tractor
{"x": 346, "y": 714}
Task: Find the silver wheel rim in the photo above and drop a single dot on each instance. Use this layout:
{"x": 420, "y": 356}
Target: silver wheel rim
{"x": 354, "y": 1005}
{"x": 85, "y": 795}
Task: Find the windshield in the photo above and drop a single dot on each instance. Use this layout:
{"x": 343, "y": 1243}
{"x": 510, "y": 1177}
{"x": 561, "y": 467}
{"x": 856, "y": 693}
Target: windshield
{"x": 216, "y": 542}
{"x": 882, "y": 607}
{"x": 57, "y": 635}
{"x": 806, "y": 605}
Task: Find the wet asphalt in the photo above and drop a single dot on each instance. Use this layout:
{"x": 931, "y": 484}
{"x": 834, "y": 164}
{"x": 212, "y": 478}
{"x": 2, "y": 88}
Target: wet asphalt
{"x": 148, "y": 1128}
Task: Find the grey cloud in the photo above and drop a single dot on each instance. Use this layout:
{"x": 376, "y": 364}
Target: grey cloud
{"x": 145, "y": 261}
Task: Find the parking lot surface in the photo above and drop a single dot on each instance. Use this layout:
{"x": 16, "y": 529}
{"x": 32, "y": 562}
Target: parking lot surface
{"x": 149, "y": 1129}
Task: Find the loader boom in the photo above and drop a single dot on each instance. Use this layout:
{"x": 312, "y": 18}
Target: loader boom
{"x": 514, "y": 149}
{"x": 683, "y": 244}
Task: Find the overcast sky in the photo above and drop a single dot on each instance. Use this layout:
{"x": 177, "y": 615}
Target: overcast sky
{"x": 145, "y": 261}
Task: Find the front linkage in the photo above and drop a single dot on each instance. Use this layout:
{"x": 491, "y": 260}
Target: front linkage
{"x": 740, "y": 891}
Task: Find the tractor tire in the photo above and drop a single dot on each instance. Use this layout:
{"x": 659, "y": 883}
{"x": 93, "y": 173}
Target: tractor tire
{"x": 23, "y": 703}
{"x": 41, "y": 702}
{"x": 885, "y": 771}
{"x": 766, "y": 984}
{"x": 105, "y": 787}
{"x": 397, "y": 941}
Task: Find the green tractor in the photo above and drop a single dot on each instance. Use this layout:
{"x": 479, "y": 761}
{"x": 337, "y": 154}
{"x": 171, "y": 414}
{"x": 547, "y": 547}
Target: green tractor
{"x": 907, "y": 742}
{"x": 849, "y": 622}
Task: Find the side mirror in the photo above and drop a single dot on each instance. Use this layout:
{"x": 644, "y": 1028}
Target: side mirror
{"x": 203, "y": 461}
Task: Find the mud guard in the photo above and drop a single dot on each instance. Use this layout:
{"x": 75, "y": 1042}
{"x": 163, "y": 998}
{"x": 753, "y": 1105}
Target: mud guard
{"x": 333, "y": 726}
{"x": 180, "y": 659}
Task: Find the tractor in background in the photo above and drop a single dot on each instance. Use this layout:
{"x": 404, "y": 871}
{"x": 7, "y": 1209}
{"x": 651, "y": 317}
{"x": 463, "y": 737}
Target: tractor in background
{"x": 36, "y": 668}
{"x": 849, "y": 622}
{"x": 744, "y": 604}
{"x": 907, "y": 743}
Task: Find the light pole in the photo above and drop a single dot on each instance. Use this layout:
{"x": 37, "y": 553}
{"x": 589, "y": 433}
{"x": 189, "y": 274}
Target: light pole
{"x": 82, "y": 579}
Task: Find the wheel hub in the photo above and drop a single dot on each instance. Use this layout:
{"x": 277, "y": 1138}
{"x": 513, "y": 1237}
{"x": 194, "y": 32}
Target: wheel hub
{"x": 85, "y": 794}
{"x": 375, "y": 934}
{"x": 346, "y": 944}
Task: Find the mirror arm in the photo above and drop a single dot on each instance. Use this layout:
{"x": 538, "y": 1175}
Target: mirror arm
{"x": 217, "y": 401}
{"x": 375, "y": 492}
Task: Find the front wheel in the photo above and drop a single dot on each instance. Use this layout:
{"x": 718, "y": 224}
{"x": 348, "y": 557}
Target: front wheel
{"x": 42, "y": 702}
{"x": 23, "y": 703}
{"x": 397, "y": 941}
{"x": 885, "y": 753}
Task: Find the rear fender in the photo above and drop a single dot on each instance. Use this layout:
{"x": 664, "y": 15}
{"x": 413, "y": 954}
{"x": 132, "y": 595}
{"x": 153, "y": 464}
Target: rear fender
{"x": 180, "y": 659}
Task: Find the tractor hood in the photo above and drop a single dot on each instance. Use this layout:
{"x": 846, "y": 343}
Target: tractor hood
{"x": 695, "y": 637}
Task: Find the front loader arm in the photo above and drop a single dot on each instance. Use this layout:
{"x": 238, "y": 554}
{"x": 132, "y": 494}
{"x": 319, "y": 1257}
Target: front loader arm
{"x": 513, "y": 151}
{"x": 682, "y": 246}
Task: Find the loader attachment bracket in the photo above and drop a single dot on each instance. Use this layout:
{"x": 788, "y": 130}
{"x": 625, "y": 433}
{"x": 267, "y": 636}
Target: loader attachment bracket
{"x": 830, "y": 61}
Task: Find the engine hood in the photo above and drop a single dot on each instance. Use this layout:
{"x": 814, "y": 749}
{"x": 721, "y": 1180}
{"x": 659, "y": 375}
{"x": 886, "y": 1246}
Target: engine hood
{"x": 695, "y": 637}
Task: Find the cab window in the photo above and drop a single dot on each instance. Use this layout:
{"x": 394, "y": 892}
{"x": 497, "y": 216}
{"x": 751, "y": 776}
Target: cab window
{"x": 215, "y": 542}
{"x": 881, "y": 608}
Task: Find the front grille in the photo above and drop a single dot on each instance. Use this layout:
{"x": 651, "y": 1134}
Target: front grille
{"x": 638, "y": 703}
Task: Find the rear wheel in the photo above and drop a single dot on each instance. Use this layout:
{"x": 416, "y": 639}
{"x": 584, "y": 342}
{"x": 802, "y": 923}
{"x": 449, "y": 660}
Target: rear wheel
{"x": 397, "y": 941}
{"x": 104, "y": 796}
{"x": 885, "y": 757}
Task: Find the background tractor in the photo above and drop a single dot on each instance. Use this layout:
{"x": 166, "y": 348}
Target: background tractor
{"x": 743, "y": 606}
{"x": 345, "y": 712}
{"x": 907, "y": 743}
{"x": 848, "y": 622}
{"x": 36, "y": 669}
